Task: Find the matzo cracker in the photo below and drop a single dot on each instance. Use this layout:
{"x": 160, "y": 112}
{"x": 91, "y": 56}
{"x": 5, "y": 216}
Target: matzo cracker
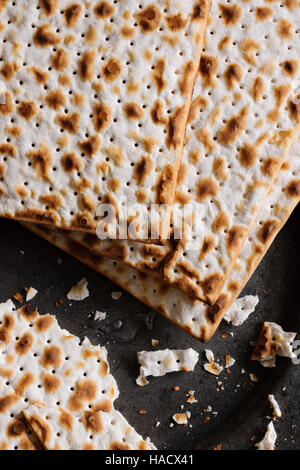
{"x": 96, "y": 104}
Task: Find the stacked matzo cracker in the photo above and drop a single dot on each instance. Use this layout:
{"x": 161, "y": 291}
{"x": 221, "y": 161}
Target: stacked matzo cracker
{"x": 229, "y": 177}
{"x": 236, "y": 166}
{"x": 96, "y": 103}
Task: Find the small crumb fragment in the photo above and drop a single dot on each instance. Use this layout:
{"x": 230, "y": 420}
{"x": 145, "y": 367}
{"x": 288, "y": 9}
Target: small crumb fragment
{"x": 142, "y": 412}
{"x": 181, "y": 418}
{"x": 176, "y": 388}
{"x": 80, "y": 291}
{"x": 31, "y": 293}
{"x": 142, "y": 381}
{"x": 59, "y": 302}
{"x": 229, "y": 361}
{"x": 116, "y": 295}
{"x": 253, "y": 377}
{"x": 268, "y": 442}
{"x": 207, "y": 419}
{"x": 99, "y": 316}
{"x": 154, "y": 342}
{"x": 157, "y": 424}
{"x": 218, "y": 447}
{"x": 171, "y": 425}
{"x": 191, "y": 397}
{"x": 19, "y": 297}
{"x": 207, "y": 410}
{"x": 212, "y": 367}
{"x": 276, "y": 408}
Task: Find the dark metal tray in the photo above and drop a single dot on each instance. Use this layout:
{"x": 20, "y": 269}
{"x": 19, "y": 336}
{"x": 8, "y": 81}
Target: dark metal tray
{"x": 242, "y": 406}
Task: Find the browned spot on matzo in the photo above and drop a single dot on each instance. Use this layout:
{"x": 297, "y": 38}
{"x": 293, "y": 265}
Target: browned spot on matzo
{"x": 93, "y": 421}
{"x": 91, "y": 146}
{"x": 71, "y": 162}
{"x": 234, "y": 127}
{"x": 69, "y": 123}
{"x": 104, "y": 10}
{"x": 45, "y": 36}
{"x": 149, "y": 18}
{"x": 176, "y": 22}
{"x": 112, "y": 69}
{"x": 42, "y": 161}
{"x": 233, "y": 75}
{"x": 290, "y": 67}
{"x": 267, "y": 230}
{"x": 60, "y": 60}
{"x": 72, "y": 14}
{"x": 264, "y": 13}
{"x": 24, "y": 344}
{"x": 231, "y": 14}
{"x": 293, "y": 189}
{"x": 206, "y": 188}
{"x": 56, "y": 99}
{"x": 208, "y": 69}
{"x": 27, "y": 109}
{"x": 143, "y": 168}
{"x": 86, "y": 66}
{"x": 158, "y": 115}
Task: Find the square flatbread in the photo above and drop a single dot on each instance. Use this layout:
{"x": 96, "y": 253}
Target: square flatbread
{"x": 243, "y": 119}
{"x": 95, "y": 104}
{"x": 241, "y": 124}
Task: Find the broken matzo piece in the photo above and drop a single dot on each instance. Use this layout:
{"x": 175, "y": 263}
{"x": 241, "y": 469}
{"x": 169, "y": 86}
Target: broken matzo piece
{"x": 46, "y": 363}
{"x": 159, "y": 363}
{"x": 272, "y": 342}
{"x": 80, "y": 291}
{"x": 42, "y": 363}
{"x": 241, "y": 309}
{"x": 268, "y": 442}
{"x": 96, "y": 104}
{"x": 58, "y": 429}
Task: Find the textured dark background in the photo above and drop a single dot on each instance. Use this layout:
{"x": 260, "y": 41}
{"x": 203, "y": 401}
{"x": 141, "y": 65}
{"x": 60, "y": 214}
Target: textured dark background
{"x": 242, "y": 406}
